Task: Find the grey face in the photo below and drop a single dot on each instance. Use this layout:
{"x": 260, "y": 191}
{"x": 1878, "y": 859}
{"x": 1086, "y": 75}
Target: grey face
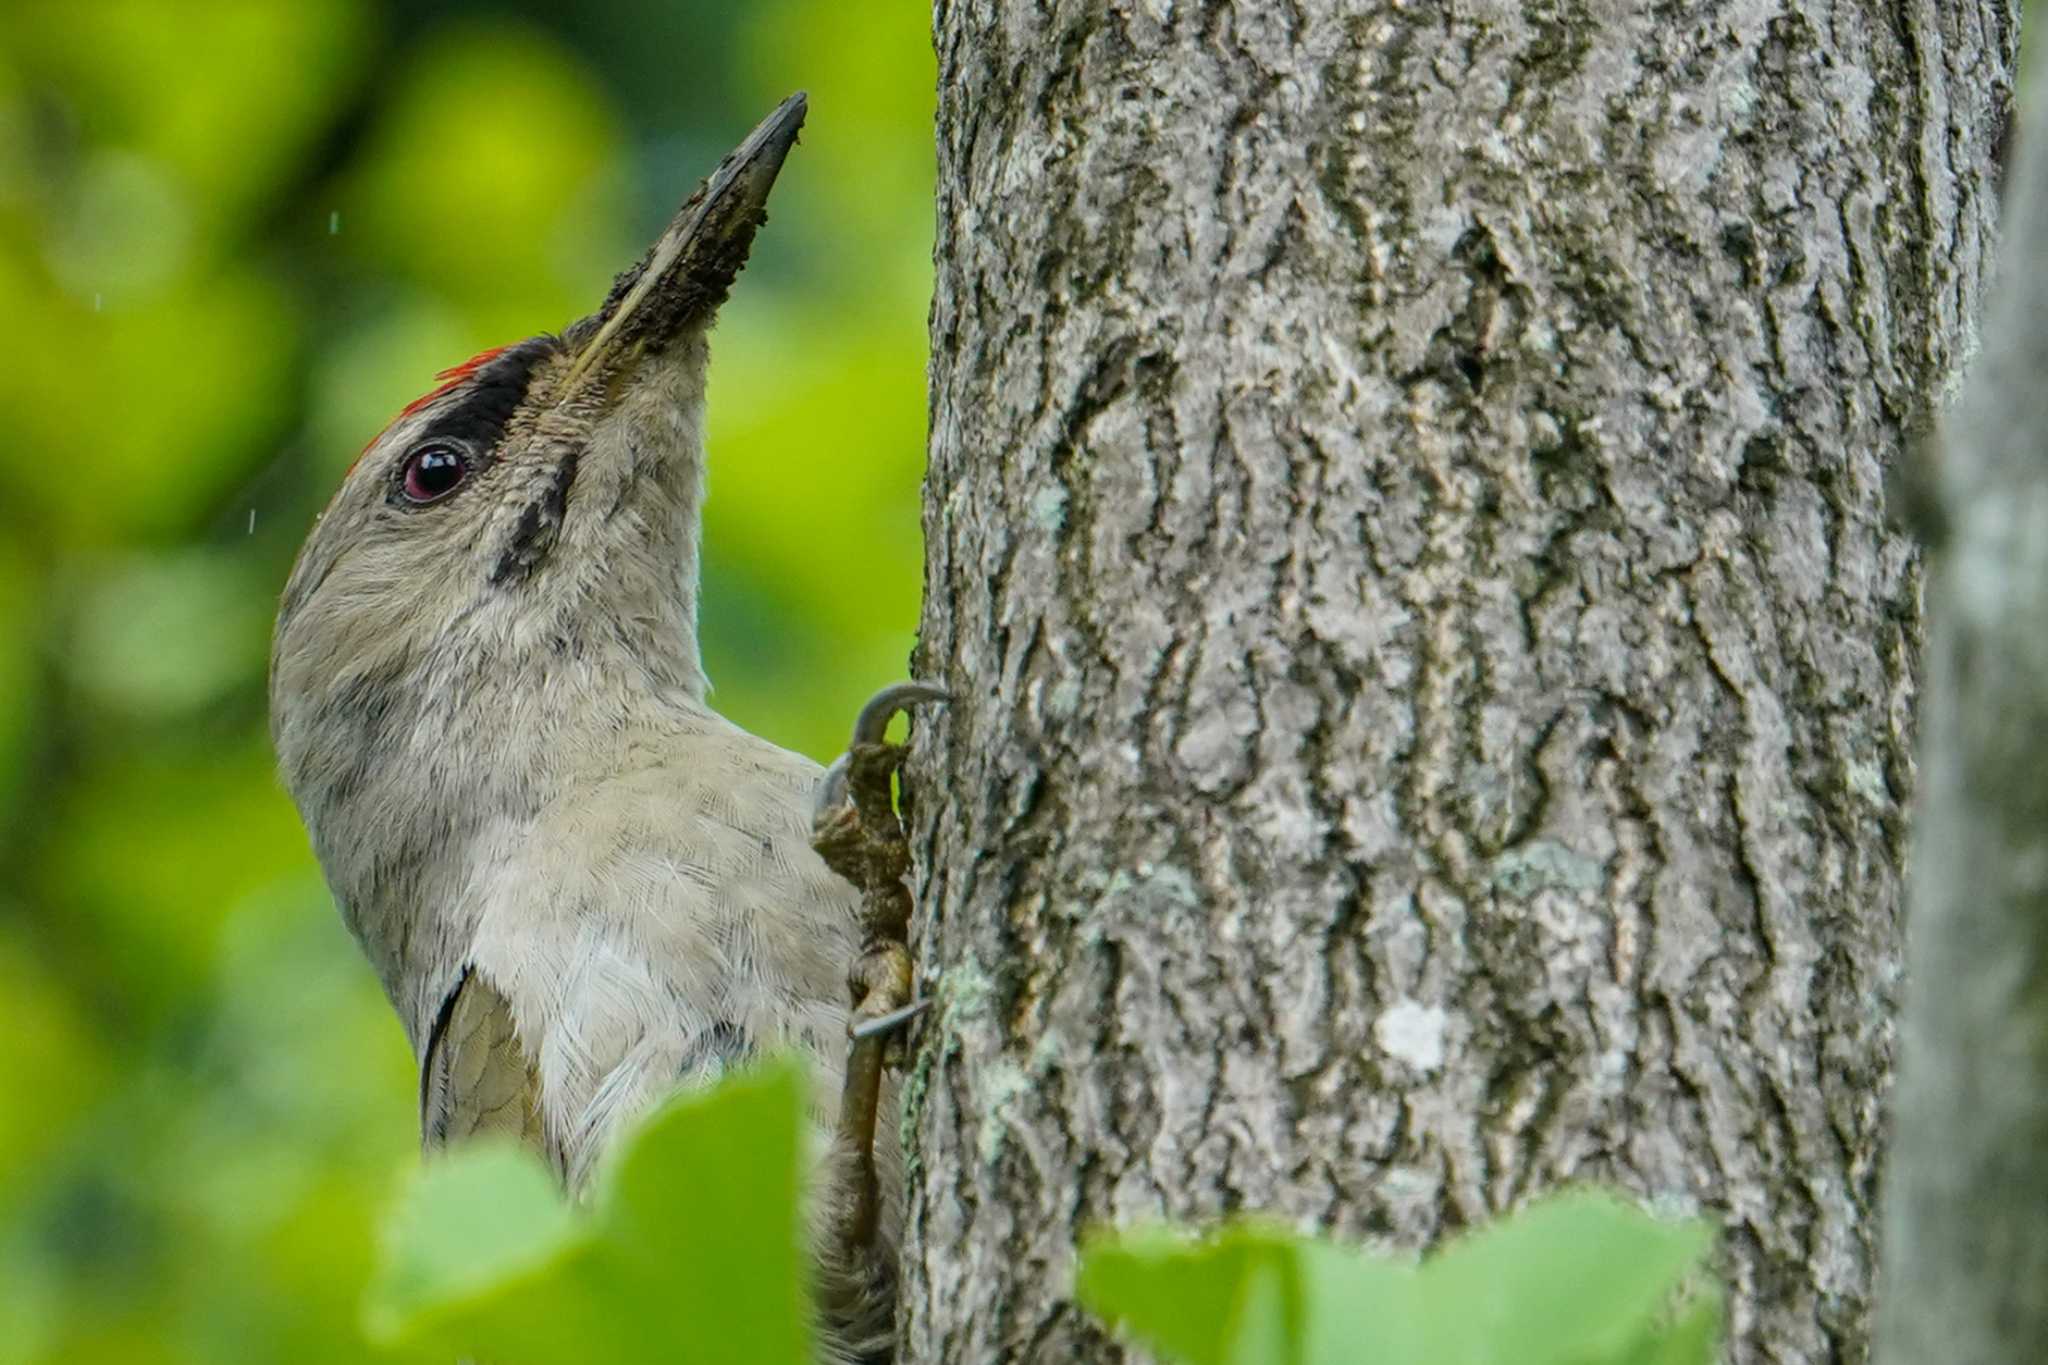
{"x": 456, "y": 492}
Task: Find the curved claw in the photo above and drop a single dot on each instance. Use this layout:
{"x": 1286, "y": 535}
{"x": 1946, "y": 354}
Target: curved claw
{"x": 874, "y": 718}
{"x": 869, "y": 728}
{"x": 830, "y": 793}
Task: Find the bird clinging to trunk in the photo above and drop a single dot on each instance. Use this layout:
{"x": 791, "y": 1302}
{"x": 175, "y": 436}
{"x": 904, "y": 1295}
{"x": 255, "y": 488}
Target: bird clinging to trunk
{"x": 581, "y": 887}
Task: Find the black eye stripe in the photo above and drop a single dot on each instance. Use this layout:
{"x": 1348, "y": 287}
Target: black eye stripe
{"x": 472, "y": 418}
{"x": 485, "y": 402}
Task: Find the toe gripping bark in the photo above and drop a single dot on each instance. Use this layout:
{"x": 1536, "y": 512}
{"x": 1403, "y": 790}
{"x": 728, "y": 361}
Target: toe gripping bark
{"x": 856, "y": 830}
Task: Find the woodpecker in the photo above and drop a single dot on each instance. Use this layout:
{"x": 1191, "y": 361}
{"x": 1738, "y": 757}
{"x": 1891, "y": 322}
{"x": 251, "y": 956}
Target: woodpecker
{"x": 580, "y": 886}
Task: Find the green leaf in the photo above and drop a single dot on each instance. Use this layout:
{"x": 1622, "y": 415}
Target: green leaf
{"x": 1360, "y": 1307}
{"x": 1266, "y": 1331}
{"x": 1693, "y": 1339}
{"x": 693, "y": 1250}
{"x": 1579, "y": 1279}
{"x": 1251, "y": 1295}
{"x": 1178, "y": 1295}
{"x": 485, "y": 1214}
{"x": 713, "y": 1194}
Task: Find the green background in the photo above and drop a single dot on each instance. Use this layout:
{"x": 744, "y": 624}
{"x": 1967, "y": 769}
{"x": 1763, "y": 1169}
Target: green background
{"x": 235, "y": 237}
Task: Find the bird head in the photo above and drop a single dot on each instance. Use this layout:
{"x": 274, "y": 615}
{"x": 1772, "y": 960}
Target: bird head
{"x": 514, "y": 553}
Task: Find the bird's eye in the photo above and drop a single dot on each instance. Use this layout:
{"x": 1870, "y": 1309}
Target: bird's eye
{"x": 433, "y": 472}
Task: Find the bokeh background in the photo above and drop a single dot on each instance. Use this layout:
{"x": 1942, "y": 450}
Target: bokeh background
{"x": 235, "y": 237}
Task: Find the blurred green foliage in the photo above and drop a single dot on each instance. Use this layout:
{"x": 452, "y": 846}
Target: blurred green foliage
{"x": 235, "y": 236}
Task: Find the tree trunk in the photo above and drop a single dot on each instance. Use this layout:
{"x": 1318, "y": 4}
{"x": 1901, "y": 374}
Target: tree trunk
{"x": 1966, "y": 1265}
{"x": 1434, "y": 676}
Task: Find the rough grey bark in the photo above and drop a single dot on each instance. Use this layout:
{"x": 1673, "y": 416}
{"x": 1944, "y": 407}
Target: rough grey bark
{"x": 1966, "y": 1226}
{"x": 1434, "y": 676}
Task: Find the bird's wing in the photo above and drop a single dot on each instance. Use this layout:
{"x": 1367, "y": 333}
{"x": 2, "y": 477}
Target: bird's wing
{"x": 476, "y": 1079}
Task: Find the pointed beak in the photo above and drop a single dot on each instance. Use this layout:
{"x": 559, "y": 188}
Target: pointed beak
{"x": 688, "y": 271}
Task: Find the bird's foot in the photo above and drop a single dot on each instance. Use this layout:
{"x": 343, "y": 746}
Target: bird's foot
{"x": 856, "y": 830}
